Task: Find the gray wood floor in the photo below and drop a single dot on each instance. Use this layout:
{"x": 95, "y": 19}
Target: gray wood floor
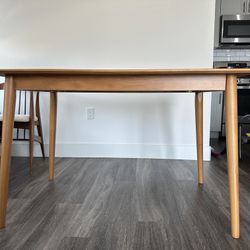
{"x": 123, "y": 204}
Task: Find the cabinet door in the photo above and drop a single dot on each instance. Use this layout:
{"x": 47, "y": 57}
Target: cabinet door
{"x": 216, "y": 111}
{"x": 248, "y": 7}
{"x": 232, "y": 7}
{"x": 217, "y": 24}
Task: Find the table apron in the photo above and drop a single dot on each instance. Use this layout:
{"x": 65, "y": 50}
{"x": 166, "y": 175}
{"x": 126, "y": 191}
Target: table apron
{"x": 121, "y": 83}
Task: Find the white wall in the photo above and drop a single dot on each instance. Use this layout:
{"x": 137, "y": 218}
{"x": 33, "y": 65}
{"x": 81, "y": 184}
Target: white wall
{"x": 114, "y": 34}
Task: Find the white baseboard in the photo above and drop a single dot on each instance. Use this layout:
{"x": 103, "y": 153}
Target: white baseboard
{"x": 98, "y": 150}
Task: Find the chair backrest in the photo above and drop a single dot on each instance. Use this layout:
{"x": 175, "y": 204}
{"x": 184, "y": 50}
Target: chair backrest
{"x": 21, "y": 103}
{"x": 24, "y": 106}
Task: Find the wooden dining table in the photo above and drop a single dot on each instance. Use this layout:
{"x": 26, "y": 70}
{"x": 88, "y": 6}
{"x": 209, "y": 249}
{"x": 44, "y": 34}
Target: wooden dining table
{"x": 126, "y": 80}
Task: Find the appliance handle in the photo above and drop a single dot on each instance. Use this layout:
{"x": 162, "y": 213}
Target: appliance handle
{"x": 243, "y": 87}
{"x": 244, "y": 7}
{"x": 220, "y": 98}
{"x": 249, "y": 7}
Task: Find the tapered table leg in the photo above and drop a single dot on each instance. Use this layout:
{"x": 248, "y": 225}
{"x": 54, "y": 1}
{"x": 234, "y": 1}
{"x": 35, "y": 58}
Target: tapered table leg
{"x": 7, "y": 136}
{"x": 52, "y": 136}
{"x": 199, "y": 134}
{"x": 232, "y": 152}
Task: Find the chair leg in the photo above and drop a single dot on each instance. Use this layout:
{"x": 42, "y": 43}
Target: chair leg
{"x": 40, "y": 134}
{"x": 39, "y": 125}
{"x": 31, "y": 147}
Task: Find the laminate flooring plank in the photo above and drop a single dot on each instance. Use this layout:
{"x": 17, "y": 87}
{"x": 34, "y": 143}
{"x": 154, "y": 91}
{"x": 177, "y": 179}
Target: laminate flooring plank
{"x": 15, "y": 208}
{"x": 37, "y": 210}
{"x": 204, "y": 210}
{"x": 149, "y": 236}
{"x": 172, "y": 205}
{"x": 147, "y": 200}
{"x": 124, "y": 204}
{"x": 36, "y": 183}
{"x": 199, "y": 213}
{"x": 84, "y": 179}
{"x": 51, "y": 231}
{"x": 115, "y": 228}
{"x": 95, "y": 201}
{"x": 20, "y": 178}
{"x": 73, "y": 243}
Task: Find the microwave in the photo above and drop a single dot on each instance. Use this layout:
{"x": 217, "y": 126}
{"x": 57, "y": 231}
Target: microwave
{"x": 235, "y": 29}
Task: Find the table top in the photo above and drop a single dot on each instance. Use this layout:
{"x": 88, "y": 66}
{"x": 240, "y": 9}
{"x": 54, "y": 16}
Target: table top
{"x": 63, "y": 71}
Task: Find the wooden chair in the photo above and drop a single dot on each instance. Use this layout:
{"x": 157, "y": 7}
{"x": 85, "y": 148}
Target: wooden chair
{"x": 26, "y": 119}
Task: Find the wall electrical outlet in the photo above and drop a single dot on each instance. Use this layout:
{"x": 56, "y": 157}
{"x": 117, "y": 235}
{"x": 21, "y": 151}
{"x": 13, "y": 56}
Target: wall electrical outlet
{"x": 90, "y": 113}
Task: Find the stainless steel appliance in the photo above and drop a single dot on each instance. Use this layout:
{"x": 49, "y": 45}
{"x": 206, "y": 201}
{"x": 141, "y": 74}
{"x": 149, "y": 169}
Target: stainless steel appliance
{"x": 235, "y": 29}
{"x": 243, "y": 86}
{"x": 243, "y": 109}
